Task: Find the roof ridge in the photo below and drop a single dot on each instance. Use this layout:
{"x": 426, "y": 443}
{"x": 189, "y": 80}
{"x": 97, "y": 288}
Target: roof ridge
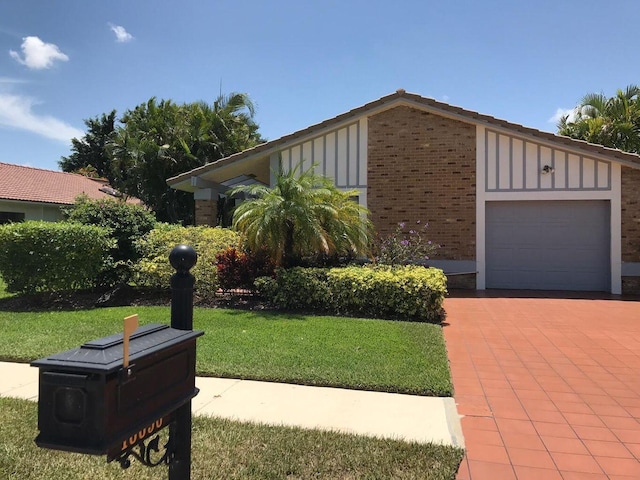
{"x": 95, "y": 179}
{"x": 400, "y": 94}
{"x": 38, "y": 168}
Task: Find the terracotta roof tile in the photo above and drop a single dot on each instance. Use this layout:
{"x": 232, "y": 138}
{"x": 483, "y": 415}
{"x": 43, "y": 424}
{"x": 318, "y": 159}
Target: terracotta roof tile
{"x": 47, "y": 186}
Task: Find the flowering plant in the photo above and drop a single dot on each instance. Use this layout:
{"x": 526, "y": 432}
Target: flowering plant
{"x": 400, "y": 248}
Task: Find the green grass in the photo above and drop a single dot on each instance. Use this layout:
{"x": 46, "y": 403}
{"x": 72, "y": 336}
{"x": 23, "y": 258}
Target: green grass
{"x": 223, "y": 449}
{"x": 404, "y": 357}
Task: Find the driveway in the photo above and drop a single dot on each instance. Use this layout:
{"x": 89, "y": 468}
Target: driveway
{"x": 549, "y": 387}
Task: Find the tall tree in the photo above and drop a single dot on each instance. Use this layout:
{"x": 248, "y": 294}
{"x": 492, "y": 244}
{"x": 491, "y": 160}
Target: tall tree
{"x": 160, "y": 139}
{"x": 146, "y": 150}
{"x": 303, "y": 214}
{"x": 89, "y": 155}
{"x": 612, "y": 122}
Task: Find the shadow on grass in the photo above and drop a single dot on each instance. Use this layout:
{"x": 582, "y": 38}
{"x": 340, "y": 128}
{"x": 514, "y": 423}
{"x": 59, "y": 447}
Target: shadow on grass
{"x": 126, "y": 296}
{"x": 49, "y": 301}
{"x": 75, "y": 300}
{"x": 270, "y": 314}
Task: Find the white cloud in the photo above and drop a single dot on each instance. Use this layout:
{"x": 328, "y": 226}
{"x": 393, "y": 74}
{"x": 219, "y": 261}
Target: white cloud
{"x": 37, "y": 54}
{"x": 17, "y": 112}
{"x": 561, "y": 112}
{"x": 122, "y": 36}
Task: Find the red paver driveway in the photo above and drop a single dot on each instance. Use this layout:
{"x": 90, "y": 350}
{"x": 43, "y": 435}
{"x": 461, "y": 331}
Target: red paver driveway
{"x": 549, "y": 388}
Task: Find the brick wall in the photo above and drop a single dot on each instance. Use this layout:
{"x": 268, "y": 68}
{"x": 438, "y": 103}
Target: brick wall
{"x": 630, "y": 225}
{"x": 422, "y": 167}
{"x": 630, "y": 215}
{"x": 206, "y": 212}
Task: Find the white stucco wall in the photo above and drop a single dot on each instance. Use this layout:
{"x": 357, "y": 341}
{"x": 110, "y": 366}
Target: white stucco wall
{"x": 33, "y": 211}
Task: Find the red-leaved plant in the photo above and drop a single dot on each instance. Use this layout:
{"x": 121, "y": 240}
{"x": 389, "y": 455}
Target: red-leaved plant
{"x": 238, "y": 269}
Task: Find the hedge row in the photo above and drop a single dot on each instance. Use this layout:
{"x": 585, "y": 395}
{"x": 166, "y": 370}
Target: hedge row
{"x": 403, "y": 292}
{"x": 46, "y": 256}
{"x": 154, "y": 270}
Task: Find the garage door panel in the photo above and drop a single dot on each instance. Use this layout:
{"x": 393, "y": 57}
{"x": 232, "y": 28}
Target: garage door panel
{"x": 548, "y": 245}
{"x": 550, "y": 260}
{"x": 518, "y": 235}
{"x": 584, "y": 260}
{"x": 555, "y": 234}
{"x": 504, "y": 259}
{"x": 555, "y": 259}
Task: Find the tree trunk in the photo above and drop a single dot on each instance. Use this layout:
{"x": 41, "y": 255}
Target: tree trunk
{"x": 288, "y": 257}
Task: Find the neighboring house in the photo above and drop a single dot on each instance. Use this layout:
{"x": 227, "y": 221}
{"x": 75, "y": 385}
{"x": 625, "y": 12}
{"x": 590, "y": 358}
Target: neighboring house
{"x": 28, "y": 193}
{"x": 512, "y": 207}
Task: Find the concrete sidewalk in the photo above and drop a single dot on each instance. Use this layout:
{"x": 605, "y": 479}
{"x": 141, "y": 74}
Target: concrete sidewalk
{"x": 384, "y": 415}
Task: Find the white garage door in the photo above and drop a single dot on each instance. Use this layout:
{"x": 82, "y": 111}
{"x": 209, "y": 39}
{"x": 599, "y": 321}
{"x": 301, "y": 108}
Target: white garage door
{"x": 548, "y": 245}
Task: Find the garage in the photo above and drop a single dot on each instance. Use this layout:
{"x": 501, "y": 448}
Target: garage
{"x": 548, "y": 245}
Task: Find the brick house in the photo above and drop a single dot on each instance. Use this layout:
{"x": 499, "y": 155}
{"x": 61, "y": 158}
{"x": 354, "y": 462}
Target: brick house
{"x": 511, "y": 206}
{"x": 28, "y": 193}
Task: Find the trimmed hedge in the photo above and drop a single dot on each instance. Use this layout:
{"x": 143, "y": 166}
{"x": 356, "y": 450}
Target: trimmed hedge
{"x": 128, "y": 223}
{"x": 154, "y": 270}
{"x": 45, "y": 256}
{"x": 297, "y": 288}
{"x": 408, "y": 292}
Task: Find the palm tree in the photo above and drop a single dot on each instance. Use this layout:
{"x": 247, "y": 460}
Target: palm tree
{"x": 161, "y": 139}
{"x": 223, "y": 128}
{"x": 302, "y": 214}
{"x": 612, "y": 122}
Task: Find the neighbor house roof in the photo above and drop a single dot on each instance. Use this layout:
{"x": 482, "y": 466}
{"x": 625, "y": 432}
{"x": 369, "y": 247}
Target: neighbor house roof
{"x": 401, "y": 97}
{"x": 30, "y": 184}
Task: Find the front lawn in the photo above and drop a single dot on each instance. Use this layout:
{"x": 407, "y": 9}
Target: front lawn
{"x": 227, "y": 450}
{"x": 403, "y": 357}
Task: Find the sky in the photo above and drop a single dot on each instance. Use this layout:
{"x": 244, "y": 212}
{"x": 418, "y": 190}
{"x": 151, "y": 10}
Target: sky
{"x": 301, "y": 61}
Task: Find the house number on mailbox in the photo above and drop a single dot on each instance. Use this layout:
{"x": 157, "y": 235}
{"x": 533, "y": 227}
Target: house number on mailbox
{"x": 142, "y": 434}
{"x": 137, "y": 440}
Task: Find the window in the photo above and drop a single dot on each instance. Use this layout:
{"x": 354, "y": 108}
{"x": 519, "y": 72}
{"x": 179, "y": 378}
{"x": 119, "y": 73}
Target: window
{"x": 11, "y": 217}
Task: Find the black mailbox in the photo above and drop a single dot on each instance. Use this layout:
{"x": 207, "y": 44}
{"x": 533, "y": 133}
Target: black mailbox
{"x": 89, "y": 403}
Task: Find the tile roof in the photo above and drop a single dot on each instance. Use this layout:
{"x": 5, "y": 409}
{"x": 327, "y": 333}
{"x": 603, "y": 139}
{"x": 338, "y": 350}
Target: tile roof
{"x": 403, "y": 97}
{"x": 47, "y": 186}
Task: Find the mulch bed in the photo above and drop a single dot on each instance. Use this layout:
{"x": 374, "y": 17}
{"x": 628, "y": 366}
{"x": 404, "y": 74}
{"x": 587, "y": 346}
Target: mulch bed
{"x": 120, "y": 297}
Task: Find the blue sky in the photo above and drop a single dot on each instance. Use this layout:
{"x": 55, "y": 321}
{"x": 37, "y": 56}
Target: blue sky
{"x": 301, "y": 62}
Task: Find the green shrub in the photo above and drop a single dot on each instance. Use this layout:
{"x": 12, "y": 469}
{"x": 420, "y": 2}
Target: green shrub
{"x": 154, "y": 270}
{"x": 297, "y": 288}
{"x": 403, "y": 292}
{"x": 266, "y": 287}
{"x": 46, "y": 256}
{"x": 128, "y": 223}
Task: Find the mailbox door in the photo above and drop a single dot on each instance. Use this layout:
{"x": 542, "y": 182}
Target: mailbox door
{"x": 159, "y": 384}
{"x": 71, "y": 409}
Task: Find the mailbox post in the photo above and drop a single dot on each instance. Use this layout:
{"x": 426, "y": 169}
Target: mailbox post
{"x": 182, "y": 258}
{"x": 111, "y": 395}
